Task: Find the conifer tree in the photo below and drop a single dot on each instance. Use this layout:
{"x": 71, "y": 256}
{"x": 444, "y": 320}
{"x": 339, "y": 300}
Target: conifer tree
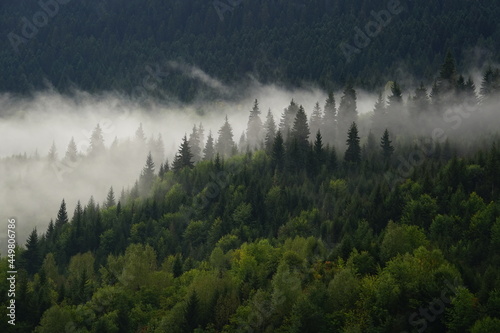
{"x": 278, "y": 154}
{"x": 71, "y": 152}
{"x": 254, "y": 127}
{"x": 110, "y": 199}
{"x": 420, "y": 102}
{"x": 147, "y": 175}
{"x": 208, "y": 151}
{"x": 225, "y": 145}
{"x": 348, "y": 112}
{"x": 316, "y": 119}
{"x": 385, "y": 144}
{"x": 353, "y": 152}
{"x": 379, "y": 117}
{"x": 270, "y": 128}
{"x": 184, "y": 157}
{"x": 286, "y": 121}
{"x": 329, "y": 123}
{"x": 194, "y": 144}
{"x": 96, "y": 142}
{"x": 32, "y": 255}
{"x": 300, "y": 130}
{"x": 62, "y": 217}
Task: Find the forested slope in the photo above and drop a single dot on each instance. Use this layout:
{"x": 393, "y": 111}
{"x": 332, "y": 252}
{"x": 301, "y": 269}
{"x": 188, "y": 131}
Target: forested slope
{"x": 98, "y": 45}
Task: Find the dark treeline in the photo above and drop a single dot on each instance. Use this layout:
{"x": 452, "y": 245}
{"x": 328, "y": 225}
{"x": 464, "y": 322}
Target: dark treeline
{"x": 97, "y": 45}
{"x": 306, "y": 224}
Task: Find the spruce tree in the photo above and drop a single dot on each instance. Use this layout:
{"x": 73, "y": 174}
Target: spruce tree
{"x": 194, "y": 143}
{"x": 353, "y": 152}
{"x": 329, "y": 123}
{"x": 270, "y": 128}
{"x": 184, "y": 158}
{"x": 379, "y": 117}
{"x": 96, "y": 142}
{"x": 254, "y": 127}
{"x": 225, "y": 144}
{"x": 286, "y": 121}
{"x": 147, "y": 175}
{"x": 385, "y": 144}
{"x": 300, "y": 130}
{"x": 208, "y": 151}
{"x": 348, "y": 112}
{"x": 316, "y": 119}
{"x": 110, "y": 199}
{"x": 278, "y": 154}
{"x": 71, "y": 152}
{"x": 62, "y": 217}
{"x": 32, "y": 255}
{"x": 420, "y": 102}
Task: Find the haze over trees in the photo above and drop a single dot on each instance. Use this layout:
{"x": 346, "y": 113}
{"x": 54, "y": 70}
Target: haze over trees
{"x": 391, "y": 222}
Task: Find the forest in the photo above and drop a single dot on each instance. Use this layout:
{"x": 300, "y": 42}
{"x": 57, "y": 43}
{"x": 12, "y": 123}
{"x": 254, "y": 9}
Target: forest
{"x": 111, "y": 45}
{"x": 326, "y": 221}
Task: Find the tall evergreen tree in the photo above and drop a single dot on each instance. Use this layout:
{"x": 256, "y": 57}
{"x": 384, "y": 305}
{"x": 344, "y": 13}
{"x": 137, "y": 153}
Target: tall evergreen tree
{"x": 386, "y": 145}
{"x": 300, "y": 130}
{"x": 348, "y": 112}
{"x": 32, "y": 255}
{"x": 270, "y": 128}
{"x": 52, "y": 156}
{"x": 379, "y": 117}
{"x": 254, "y": 127}
{"x": 110, "y": 199}
{"x": 96, "y": 142}
{"x": 329, "y": 123}
{"x": 448, "y": 77}
{"x": 147, "y": 175}
{"x": 278, "y": 154}
{"x": 194, "y": 143}
{"x": 353, "y": 152}
{"x": 316, "y": 120}
{"x": 209, "y": 151}
{"x": 71, "y": 152}
{"x": 225, "y": 144}
{"x": 490, "y": 84}
{"x": 184, "y": 157}
{"x": 286, "y": 121}
{"x": 62, "y": 217}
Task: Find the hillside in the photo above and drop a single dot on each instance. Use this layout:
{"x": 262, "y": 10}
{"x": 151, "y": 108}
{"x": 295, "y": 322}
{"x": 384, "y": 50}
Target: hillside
{"x": 97, "y": 45}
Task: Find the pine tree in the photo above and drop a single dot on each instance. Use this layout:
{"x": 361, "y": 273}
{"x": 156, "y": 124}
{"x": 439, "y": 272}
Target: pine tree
{"x": 490, "y": 84}
{"x": 208, "y": 151}
{"x": 379, "y": 117}
{"x": 52, "y": 156}
{"x": 147, "y": 175}
{"x": 225, "y": 145}
{"x": 316, "y": 120}
{"x": 110, "y": 199}
{"x": 194, "y": 143}
{"x": 140, "y": 137}
{"x": 96, "y": 142}
{"x": 470, "y": 93}
{"x": 270, "y": 128}
{"x": 348, "y": 112}
{"x": 385, "y": 144}
{"x": 329, "y": 125}
{"x": 201, "y": 136}
{"x": 287, "y": 118}
{"x": 448, "y": 77}
{"x": 353, "y": 152}
{"x": 62, "y": 217}
{"x": 319, "y": 151}
{"x": 254, "y": 127}
{"x": 184, "y": 158}
{"x": 32, "y": 255}
{"x": 192, "y": 312}
{"x": 300, "y": 130}
{"x": 278, "y": 155}
{"x": 71, "y": 152}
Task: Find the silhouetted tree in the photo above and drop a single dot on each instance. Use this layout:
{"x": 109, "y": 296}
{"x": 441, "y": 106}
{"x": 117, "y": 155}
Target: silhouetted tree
{"x": 208, "y": 152}
{"x": 184, "y": 158}
{"x": 353, "y": 152}
{"x": 385, "y": 144}
{"x": 254, "y": 127}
